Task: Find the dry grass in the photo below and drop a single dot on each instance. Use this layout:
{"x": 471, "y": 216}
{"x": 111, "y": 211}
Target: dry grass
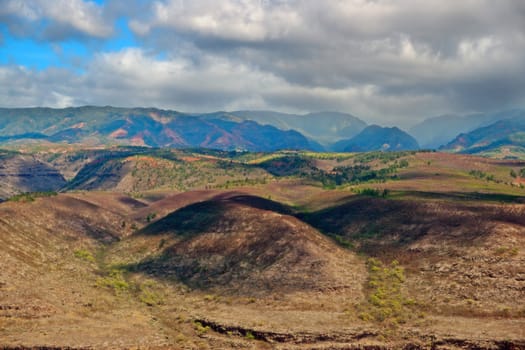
{"x": 66, "y": 277}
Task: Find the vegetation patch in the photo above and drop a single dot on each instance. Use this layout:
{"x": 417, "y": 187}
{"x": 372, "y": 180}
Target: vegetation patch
{"x": 385, "y": 301}
{"x": 371, "y": 192}
{"x": 481, "y": 175}
{"x": 84, "y": 255}
{"x": 114, "y": 281}
{"x": 151, "y": 216}
{"x": 200, "y": 328}
{"x": 31, "y": 196}
{"x": 249, "y": 335}
{"x": 384, "y": 157}
{"x": 506, "y": 251}
{"x": 342, "y": 241}
{"x": 520, "y": 173}
{"x": 148, "y": 294}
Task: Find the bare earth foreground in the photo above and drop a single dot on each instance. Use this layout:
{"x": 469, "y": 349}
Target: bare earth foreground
{"x": 280, "y": 265}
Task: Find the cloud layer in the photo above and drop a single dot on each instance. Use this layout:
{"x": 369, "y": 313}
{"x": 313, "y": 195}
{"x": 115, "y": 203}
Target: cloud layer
{"x": 389, "y": 61}
{"x": 54, "y": 20}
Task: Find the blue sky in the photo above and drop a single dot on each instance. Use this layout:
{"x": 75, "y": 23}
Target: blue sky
{"x": 390, "y": 62}
{"x": 33, "y": 52}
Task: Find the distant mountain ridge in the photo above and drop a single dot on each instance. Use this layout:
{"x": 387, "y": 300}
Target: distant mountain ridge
{"x": 144, "y": 126}
{"x": 377, "y": 138}
{"x": 323, "y": 127}
{"x": 265, "y": 131}
{"x": 501, "y": 136}
{"x": 438, "y": 131}
{"x": 241, "y": 130}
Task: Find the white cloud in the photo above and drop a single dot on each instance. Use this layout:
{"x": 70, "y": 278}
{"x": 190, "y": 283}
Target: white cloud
{"x": 132, "y": 78}
{"x": 84, "y": 17}
{"x": 384, "y": 60}
{"x": 62, "y": 101}
{"x": 243, "y": 20}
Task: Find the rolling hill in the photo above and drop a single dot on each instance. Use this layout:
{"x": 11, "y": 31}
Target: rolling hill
{"x": 244, "y": 245}
{"x": 315, "y": 268}
{"x": 196, "y": 248}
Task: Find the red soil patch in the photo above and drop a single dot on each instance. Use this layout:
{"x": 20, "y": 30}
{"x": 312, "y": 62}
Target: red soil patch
{"x": 118, "y": 133}
{"x": 138, "y": 141}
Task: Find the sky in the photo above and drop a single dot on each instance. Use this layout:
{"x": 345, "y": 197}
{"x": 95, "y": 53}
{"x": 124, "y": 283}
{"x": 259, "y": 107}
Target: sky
{"x": 385, "y": 61}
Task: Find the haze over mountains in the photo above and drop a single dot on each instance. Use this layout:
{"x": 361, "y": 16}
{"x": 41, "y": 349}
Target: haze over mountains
{"x": 324, "y": 127}
{"x": 505, "y": 135}
{"x": 242, "y": 130}
{"x": 374, "y": 138}
{"x": 438, "y": 131}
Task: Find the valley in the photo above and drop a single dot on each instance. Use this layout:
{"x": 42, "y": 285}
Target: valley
{"x": 137, "y": 247}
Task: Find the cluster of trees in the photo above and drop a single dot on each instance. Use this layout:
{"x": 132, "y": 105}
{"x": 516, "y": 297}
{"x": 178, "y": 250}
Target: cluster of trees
{"x": 356, "y": 174}
{"x": 359, "y": 172}
{"x": 520, "y": 173}
{"x": 481, "y": 175}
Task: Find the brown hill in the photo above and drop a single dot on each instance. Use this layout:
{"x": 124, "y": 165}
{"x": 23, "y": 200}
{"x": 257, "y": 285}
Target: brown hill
{"x": 462, "y": 257}
{"x": 248, "y": 245}
{"x": 222, "y": 270}
{"x": 48, "y": 277}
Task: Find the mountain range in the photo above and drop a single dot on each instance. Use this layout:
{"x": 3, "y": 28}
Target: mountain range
{"x": 323, "y": 127}
{"x": 244, "y": 130}
{"x": 438, "y": 131}
{"x": 374, "y": 138}
{"x": 143, "y": 127}
{"x": 506, "y": 136}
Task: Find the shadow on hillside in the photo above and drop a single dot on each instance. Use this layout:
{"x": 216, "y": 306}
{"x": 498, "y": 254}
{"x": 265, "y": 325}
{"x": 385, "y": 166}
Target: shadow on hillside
{"x": 383, "y": 227}
{"x": 378, "y": 225}
{"x": 187, "y": 221}
{"x": 461, "y": 196}
{"x": 197, "y": 237}
{"x": 199, "y": 217}
{"x": 255, "y": 202}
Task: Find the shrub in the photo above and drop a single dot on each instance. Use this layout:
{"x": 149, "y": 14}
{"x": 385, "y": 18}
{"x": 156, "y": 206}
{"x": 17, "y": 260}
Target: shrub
{"x": 84, "y": 255}
{"x": 370, "y": 192}
{"x": 200, "y": 328}
{"x": 114, "y": 281}
{"x": 151, "y": 216}
{"x": 343, "y": 242}
{"x": 148, "y": 295}
{"x": 249, "y": 335}
{"x": 506, "y": 251}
